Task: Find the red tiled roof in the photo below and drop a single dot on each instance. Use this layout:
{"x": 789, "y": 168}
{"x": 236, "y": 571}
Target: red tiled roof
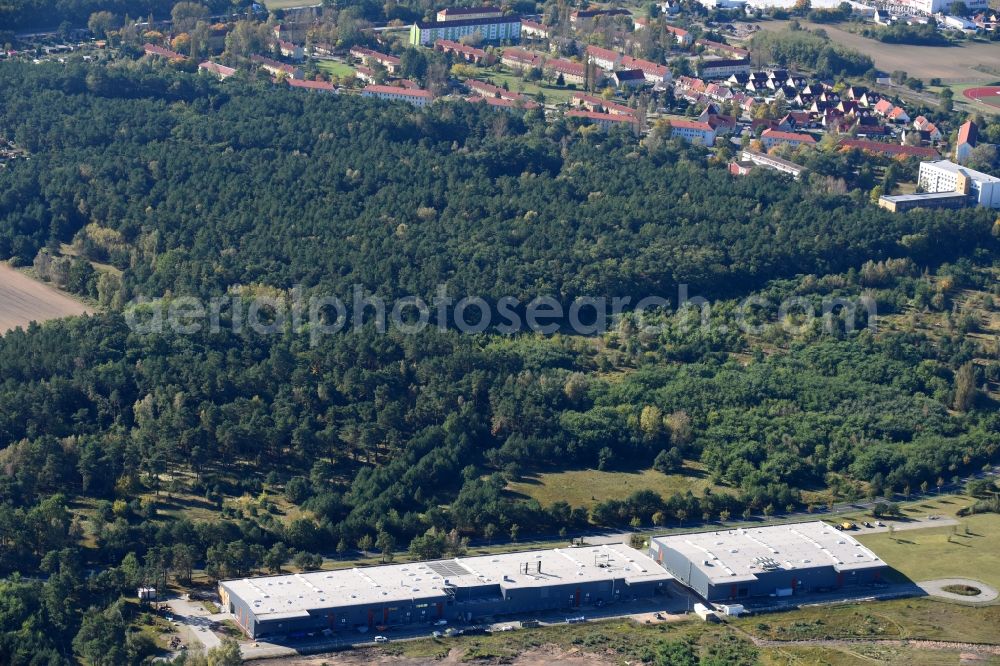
{"x": 968, "y": 133}
{"x": 216, "y": 68}
{"x": 690, "y": 124}
{"x": 274, "y": 64}
{"x": 594, "y": 115}
{"x": 522, "y": 56}
{"x": 311, "y": 85}
{"x": 567, "y": 66}
{"x": 788, "y": 136}
{"x": 153, "y": 49}
{"x": 491, "y": 90}
{"x": 646, "y": 66}
{"x": 361, "y": 52}
{"x": 620, "y": 109}
{"x": 883, "y": 106}
{"x": 458, "y": 47}
{"x": 603, "y": 54}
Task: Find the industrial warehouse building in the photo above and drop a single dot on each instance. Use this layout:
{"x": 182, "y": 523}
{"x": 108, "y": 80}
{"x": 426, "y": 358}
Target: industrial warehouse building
{"x": 780, "y": 560}
{"x": 467, "y": 588}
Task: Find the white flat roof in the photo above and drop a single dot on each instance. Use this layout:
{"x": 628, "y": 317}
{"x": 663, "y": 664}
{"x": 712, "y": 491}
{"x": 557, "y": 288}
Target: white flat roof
{"x": 273, "y": 597}
{"x": 948, "y": 165}
{"x": 744, "y": 553}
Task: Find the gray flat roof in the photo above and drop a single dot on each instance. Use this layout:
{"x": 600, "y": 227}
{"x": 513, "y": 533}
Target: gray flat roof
{"x": 924, "y": 196}
{"x": 744, "y": 553}
{"x": 273, "y": 597}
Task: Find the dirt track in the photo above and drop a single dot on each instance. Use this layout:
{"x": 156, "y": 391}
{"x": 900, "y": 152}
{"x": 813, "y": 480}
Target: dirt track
{"x": 23, "y": 300}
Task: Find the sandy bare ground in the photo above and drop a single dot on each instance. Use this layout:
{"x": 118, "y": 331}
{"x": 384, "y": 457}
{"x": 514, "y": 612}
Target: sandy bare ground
{"x": 23, "y": 300}
{"x": 952, "y": 64}
{"x": 546, "y": 655}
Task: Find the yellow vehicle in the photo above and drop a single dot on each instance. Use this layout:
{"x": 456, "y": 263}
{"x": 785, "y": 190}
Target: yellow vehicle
{"x": 847, "y": 525}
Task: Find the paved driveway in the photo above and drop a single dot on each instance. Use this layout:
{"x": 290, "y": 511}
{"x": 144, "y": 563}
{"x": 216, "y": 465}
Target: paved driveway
{"x": 196, "y": 622}
{"x": 935, "y": 588}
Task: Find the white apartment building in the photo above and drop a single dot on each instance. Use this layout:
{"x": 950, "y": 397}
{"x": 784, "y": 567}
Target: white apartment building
{"x": 414, "y": 96}
{"x": 946, "y": 176}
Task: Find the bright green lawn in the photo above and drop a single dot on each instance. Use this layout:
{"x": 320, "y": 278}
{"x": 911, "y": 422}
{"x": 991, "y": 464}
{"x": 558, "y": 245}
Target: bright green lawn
{"x": 335, "y": 68}
{"x": 553, "y": 94}
{"x": 588, "y": 487}
{"x": 926, "y": 554}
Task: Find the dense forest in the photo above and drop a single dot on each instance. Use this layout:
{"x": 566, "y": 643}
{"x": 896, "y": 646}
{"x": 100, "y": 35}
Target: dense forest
{"x": 23, "y": 15}
{"x": 147, "y": 182}
{"x": 345, "y": 192}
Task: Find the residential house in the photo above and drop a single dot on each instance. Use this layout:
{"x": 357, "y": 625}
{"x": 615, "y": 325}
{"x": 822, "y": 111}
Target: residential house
{"x": 275, "y": 68}
{"x": 466, "y": 53}
{"x": 391, "y": 63}
{"x": 603, "y": 58}
{"x": 583, "y": 19}
{"x": 516, "y": 58}
{"x": 160, "y": 52}
{"x": 313, "y": 86}
{"x": 604, "y": 120}
{"x": 484, "y": 89}
{"x": 968, "y": 137}
{"x": 365, "y": 74}
{"x": 419, "y": 98}
{"x": 772, "y": 162}
{"x": 572, "y": 72}
{"x": 215, "y": 68}
{"x": 654, "y": 73}
{"x": 534, "y": 30}
{"x": 601, "y": 105}
{"x": 772, "y": 137}
{"x": 628, "y": 78}
{"x": 739, "y": 79}
{"x": 898, "y": 115}
{"x": 291, "y": 51}
{"x": 722, "y": 124}
{"x": 692, "y": 131}
{"x": 921, "y": 124}
{"x": 681, "y": 36}
{"x": 722, "y": 68}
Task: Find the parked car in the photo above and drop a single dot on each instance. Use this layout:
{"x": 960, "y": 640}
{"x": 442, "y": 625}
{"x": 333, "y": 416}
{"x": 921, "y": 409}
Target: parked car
{"x": 440, "y": 623}
{"x": 866, "y": 524}
{"x": 574, "y": 620}
{"x": 381, "y": 639}
{"x": 506, "y": 627}
{"x": 436, "y": 634}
